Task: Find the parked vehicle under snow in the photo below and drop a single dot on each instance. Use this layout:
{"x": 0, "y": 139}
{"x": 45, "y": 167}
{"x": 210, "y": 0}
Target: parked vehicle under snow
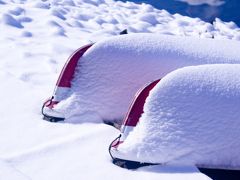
{"x": 102, "y": 79}
{"x": 190, "y": 117}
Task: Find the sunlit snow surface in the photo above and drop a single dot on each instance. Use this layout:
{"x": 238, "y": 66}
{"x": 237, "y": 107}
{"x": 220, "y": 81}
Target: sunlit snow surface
{"x": 112, "y": 70}
{"x": 190, "y": 117}
{"x": 36, "y": 39}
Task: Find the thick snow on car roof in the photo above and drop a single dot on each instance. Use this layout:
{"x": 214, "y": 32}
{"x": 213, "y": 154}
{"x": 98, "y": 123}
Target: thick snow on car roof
{"x": 111, "y": 71}
{"x": 191, "y": 117}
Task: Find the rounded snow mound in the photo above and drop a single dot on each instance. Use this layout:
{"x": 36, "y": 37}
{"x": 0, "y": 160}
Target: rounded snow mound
{"x": 191, "y": 117}
{"x": 111, "y": 71}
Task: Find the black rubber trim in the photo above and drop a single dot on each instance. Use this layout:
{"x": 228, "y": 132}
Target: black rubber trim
{"x": 52, "y": 119}
{"x": 130, "y": 164}
{"x": 221, "y": 174}
{"x": 215, "y": 174}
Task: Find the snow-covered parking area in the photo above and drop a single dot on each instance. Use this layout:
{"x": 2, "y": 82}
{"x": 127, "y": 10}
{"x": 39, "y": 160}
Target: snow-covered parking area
{"x": 36, "y": 39}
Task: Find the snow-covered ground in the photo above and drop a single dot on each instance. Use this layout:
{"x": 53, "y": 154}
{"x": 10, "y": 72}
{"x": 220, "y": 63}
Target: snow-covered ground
{"x": 36, "y": 39}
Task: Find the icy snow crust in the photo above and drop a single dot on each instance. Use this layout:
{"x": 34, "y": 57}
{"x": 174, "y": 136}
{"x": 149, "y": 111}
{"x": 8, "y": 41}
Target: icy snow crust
{"x": 111, "y": 71}
{"x": 191, "y": 117}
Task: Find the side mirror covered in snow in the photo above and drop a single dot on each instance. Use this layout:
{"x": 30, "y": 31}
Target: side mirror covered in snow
{"x": 191, "y": 117}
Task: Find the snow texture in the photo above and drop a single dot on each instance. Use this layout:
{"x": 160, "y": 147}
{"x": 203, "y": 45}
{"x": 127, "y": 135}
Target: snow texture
{"x": 112, "y": 70}
{"x": 36, "y": 39}
{"x": 191, "y": 117}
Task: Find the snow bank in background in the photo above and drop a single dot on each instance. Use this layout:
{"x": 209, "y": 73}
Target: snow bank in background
{"x": 111, "y": 71}
{"x": 71, "y": 19}
{"x": 191, "y": 117}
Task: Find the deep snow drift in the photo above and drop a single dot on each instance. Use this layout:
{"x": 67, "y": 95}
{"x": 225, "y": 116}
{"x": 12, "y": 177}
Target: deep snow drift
{"x": 190, "y": 117}
{"x": 111, "y": 71}
{"x": 36, "y": 39}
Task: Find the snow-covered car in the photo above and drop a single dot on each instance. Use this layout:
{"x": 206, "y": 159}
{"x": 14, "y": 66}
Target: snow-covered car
{"x": 189, "y": 117}
{"x": 99, "y": 80}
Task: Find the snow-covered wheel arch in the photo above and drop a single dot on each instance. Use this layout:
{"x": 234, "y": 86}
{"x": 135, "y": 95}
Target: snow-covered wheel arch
{"x": 112, "y": 70}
